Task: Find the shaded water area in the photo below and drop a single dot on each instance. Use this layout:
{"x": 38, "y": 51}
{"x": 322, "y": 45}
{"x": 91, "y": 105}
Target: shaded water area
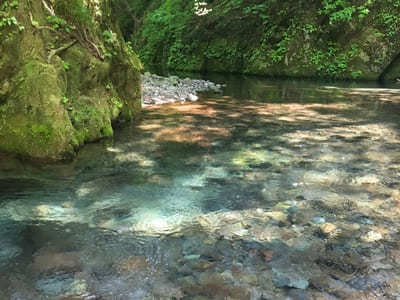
{"x": 274, "y": 190}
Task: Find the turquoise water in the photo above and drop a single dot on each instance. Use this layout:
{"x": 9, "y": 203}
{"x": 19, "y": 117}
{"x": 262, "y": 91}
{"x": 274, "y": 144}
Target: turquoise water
{"x": 275, "y": 189}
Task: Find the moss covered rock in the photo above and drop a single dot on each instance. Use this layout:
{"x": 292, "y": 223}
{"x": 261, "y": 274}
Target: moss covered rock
{"x": 65, "y": 76}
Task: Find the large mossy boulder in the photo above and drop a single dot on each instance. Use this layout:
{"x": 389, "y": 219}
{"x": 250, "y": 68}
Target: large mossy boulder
{"x": 65, "y": 76}
{"x": 321, "y": 39}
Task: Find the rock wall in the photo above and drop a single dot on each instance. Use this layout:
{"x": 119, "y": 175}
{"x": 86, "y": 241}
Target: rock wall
{"x": 330, "y": 39}
{"x": 65, "y": 76}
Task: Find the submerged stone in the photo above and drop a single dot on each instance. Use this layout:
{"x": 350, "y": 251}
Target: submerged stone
{"x": 287, "y": 274}
{"x": 372, "y": 236}
{"x": 8, "y": 251}
{"x": 328, "y": 228}
{"x": 318, "y": 220}
{"x": 297, "y": 294}
{"x": 289, "y": 279}
{"x": 192, "y": 257}
{"x": 56, "y": 285}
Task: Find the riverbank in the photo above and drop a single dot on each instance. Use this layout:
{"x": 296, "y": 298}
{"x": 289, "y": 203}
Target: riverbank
{"x": 161, "y": 90}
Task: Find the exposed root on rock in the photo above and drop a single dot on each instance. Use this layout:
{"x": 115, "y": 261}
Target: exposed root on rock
{"x": 59, "y": 50}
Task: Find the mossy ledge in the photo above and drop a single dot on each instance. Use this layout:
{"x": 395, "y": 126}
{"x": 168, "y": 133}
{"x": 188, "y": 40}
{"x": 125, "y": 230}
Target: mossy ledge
{"x": 65, "y": 76}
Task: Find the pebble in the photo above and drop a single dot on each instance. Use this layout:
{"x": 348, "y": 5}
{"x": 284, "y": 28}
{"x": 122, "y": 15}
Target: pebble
{"x": 67, "y": 205}
{"x": 192, "y": 257}
{"x": 192, "y": 97}
{"x": 328, "y": 228}
{"x": 372, "y": 236}
{"x": 318, "y": 220}
{"x": 42, "y": 210}
{"x": 297, "y": 294}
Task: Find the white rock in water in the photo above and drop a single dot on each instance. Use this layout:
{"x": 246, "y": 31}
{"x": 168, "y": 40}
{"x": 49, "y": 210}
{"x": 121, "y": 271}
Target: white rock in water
{"x": 372, "y": 236}
{"x": 192, "y": 97}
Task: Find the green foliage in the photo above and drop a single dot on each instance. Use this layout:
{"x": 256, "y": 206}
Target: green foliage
{"x": 277, "y": 54}
{"x": 110, "y": 40}
{"x": 390, "y": 22}
{"x": 328, "y": 38}
{"x": 65, "y": 65}
{"x": 337, "y": 10}
{"x": 259, "y": 10}
{"x": 129, "y": 48}
{"x": 57, "y": 22}
{"x": 344, "y": 11}
{"x": 108, "y": 36}
{"x": 334, "y": 63}
{"x": 7, "y": 20}
{"x": 116, "y": 101}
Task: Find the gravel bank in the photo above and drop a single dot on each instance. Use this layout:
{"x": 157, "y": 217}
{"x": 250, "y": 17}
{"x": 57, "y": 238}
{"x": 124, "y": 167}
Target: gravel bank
{"x": 160, "y": 90}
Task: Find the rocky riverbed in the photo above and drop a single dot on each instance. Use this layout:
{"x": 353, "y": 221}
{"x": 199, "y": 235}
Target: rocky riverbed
{"x": 161, "y": 90}
{"x": 224, "y": 198}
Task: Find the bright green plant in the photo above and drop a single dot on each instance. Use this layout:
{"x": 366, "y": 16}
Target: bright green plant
{"x": 6, "y": 17}
{"x": 116, "y": 101}
{"x": 65, "y": 65}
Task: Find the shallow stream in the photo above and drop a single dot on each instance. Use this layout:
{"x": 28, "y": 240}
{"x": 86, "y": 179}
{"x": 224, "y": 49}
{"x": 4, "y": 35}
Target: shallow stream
{"x": 275, "y": 190}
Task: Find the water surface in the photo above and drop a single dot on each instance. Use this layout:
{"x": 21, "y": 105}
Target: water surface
{"x": 275, "y": 189}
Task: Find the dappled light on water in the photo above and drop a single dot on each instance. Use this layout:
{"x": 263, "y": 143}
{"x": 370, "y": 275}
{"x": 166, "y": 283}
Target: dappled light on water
{"x": 280, "y": 190}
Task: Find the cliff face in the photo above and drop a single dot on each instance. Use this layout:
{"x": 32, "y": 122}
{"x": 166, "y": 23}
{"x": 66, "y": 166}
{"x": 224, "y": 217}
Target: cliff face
{"x": 65, "y": 76}
{"x": 331, "y": 39}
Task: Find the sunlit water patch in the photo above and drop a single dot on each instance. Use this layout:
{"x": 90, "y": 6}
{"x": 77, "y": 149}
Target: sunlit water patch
{"x": 275, "y": 190}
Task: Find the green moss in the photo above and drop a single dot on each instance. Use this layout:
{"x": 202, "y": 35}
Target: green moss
{"x": 47, "y": 110}
{"x": 33, "y": 121}
{"x": 107, "y": 131}
{"x": 41, "y": 132}
{"x": 90, "y": 120}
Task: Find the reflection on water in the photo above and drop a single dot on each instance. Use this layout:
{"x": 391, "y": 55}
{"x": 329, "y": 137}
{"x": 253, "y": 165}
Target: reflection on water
{"x": 277, "y": 190}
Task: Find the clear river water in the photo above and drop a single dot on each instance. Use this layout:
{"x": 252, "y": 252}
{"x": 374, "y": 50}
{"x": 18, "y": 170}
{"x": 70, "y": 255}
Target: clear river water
{"x": 277, "y": 189}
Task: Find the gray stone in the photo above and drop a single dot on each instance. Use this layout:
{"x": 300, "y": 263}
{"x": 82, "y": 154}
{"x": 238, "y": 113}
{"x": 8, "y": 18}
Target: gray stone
{"x": 192, "y": 257}
{"x": 289, "y": 275}
{"x": 371, "y": 281}
{"x": 192, "y": 97}
{"x": 318, "y": 220}
{"x": 296, "y": 294}
{"x": 55, "y": 285}
{"x": 8, "y": 252}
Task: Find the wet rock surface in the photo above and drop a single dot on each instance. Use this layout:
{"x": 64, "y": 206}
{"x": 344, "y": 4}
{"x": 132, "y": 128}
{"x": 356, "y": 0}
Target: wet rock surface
{"x": 161, "y": 90}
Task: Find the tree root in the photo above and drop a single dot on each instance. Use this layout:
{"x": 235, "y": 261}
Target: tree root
{"x": 40, "y": 27}
{"x": 99, "y": 54}
{"x": 59, "y": 50}
{"x": 82, "y": 38}
{"x": 48, "y": 8}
